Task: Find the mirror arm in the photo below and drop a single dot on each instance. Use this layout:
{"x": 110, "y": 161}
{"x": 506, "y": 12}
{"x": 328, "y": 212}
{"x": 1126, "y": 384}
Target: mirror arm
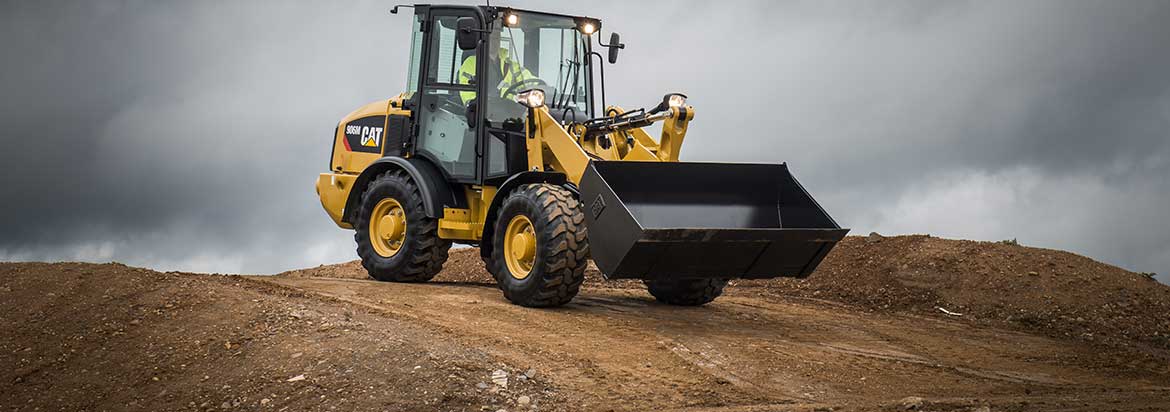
{"x": 620, "y": 46}
{"x": 601, "y": 66}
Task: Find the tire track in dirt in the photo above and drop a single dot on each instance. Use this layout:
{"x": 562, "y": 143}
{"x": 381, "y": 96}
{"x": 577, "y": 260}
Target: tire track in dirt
{"x": 618, "y": 347}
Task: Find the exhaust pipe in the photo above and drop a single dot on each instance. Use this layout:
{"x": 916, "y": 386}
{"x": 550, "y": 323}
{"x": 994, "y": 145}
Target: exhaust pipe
{"x": 675, "y": 220}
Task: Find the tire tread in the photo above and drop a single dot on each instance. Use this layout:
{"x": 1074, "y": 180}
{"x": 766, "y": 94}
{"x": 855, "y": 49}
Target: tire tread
{"x": 686, "y": 292}
{"x": 563, "y": 267}
{"x": 429, "y": 251}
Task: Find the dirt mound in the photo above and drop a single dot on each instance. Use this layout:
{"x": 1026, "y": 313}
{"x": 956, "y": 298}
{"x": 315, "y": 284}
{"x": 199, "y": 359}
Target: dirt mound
{"x": 464, "y": 266}
{"x": 80, "y": 336}
{"x": 347, "y": 270}
{"x": 1055, "y": 292}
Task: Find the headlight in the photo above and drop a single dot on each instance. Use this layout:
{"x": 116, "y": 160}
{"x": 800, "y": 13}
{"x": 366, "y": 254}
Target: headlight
{"x": 587, "y": 26}
{"x": 532, "y": 98}
{"x": 511, "y": 19}
{"x": 676, "y": 100}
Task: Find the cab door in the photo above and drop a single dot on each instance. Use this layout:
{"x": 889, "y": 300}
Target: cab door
{"x": 448, "y": 89}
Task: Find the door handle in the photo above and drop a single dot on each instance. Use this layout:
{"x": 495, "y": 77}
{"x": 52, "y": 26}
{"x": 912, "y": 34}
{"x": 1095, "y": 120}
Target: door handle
{"x": 472, "y": 113}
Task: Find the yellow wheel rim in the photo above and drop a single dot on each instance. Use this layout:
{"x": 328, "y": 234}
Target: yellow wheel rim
{"x": 520, "y": 246}
{"x": 388, "y": 227}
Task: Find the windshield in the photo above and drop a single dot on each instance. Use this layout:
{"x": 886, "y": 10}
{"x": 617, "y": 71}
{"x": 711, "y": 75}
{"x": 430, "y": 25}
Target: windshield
{"x": 539, "y": 51}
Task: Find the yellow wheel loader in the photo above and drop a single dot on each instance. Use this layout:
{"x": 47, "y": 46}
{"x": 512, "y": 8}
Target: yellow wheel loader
{"x": 497, "y": 143}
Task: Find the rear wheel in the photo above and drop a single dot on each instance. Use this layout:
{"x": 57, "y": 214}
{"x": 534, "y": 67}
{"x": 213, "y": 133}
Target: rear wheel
{"x": 539, "y": 248}
{"x": 686, "y": 292}
{"x": 396, "y": 240}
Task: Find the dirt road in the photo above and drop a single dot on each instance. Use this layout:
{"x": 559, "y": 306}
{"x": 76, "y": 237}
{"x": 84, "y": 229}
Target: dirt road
{"x": 617, "y": 349}
{"x": 1040, "y": 330}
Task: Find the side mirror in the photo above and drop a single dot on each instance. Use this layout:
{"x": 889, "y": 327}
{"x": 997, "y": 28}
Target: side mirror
{"x": 614, "y": 45}
{"x": 466, "y": 33}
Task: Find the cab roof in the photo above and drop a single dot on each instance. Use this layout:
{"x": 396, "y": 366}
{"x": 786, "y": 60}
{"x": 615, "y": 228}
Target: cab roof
{"x": 491, "y": 11}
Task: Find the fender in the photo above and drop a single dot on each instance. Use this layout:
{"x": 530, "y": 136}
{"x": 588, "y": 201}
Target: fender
{"x": 513, "y": 182}
{"x": 433, "y": 188}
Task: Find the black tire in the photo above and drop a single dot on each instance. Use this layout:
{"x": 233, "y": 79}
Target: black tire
{"x": 562, "y": 247}
{"x": 422, "y": 253}
{"x": 686, "y": 292}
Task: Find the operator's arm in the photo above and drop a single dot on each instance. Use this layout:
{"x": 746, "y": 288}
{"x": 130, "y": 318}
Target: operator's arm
{"x": 467, "y": 76}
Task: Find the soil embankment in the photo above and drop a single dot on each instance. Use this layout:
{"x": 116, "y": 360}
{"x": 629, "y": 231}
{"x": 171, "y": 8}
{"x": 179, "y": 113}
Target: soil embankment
{"x": 1039, "y": 330}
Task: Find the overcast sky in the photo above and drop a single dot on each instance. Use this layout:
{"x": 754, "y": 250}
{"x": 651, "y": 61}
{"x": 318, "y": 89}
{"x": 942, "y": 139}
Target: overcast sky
{"x": 187, "y": 135}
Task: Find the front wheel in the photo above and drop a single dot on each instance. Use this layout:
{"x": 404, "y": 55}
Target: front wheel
{"x": 686, "y": 292}
{"x": 539, "y": 248}
{"x": 396, "y": 240}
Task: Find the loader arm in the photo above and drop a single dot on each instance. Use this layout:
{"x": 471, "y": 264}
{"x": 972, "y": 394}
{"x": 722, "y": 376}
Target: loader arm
{"x": 552, "y": 146}
{"x": 564, "y": 155}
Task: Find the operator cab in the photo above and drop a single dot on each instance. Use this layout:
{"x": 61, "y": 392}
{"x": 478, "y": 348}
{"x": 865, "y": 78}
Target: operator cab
{"x": 468, "y": 66}
{"x": 530, "y": 50}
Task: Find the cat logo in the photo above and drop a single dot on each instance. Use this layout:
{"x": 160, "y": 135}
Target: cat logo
{"x": 370, "y": 136}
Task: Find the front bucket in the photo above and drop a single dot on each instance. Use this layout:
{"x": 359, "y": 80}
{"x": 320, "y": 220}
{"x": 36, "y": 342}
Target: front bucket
{"x": 663, "y": 220}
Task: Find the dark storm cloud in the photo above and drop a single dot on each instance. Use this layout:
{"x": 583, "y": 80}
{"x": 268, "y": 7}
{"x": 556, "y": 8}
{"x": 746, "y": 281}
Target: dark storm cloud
{"x": 187, "y": 135}
{"x": 181, "y": 134}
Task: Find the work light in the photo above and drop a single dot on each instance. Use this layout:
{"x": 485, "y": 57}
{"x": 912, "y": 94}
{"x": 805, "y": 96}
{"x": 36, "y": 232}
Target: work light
{"x": 587, "y": 26}
{"x": 676, "y": 100}
{"x": 511, "y": 19}
{"x": 532, "y": 98}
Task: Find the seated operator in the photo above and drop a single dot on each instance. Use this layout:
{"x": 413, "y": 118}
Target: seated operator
{"x": 513, "y": 73}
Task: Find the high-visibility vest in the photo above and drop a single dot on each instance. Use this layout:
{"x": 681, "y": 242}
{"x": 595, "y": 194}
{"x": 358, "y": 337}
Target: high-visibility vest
{"x": 512, "y": 70}
{"x": 466, "y": 73}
